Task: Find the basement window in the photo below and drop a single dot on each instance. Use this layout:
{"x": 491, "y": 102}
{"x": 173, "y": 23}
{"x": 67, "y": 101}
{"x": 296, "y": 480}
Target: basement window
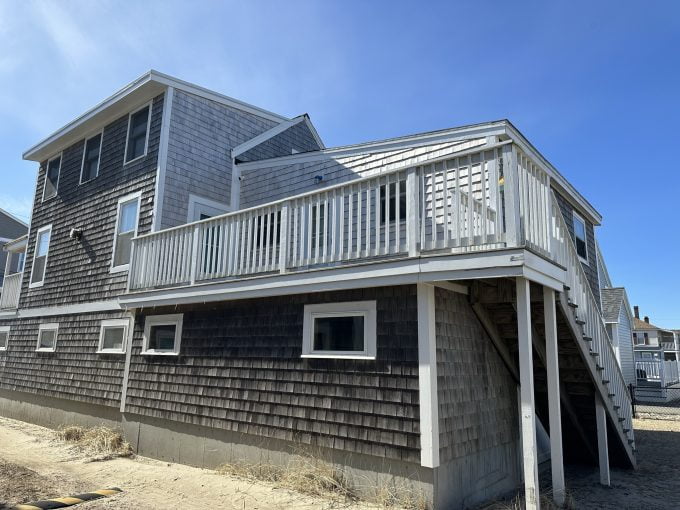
{"x": 4, "y": 337}
{"x": 47, "y": 337}
{"x": 340, "y": 330}
{"x": 580, "y": 237}
{"x": 163, "y": 334}
{"x": 113, "y": 335}
{"x": 137, "y": 141}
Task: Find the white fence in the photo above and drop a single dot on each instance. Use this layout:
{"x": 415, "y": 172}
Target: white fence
{"x": 9, "y": 299}
{"x": 663, "y": 372}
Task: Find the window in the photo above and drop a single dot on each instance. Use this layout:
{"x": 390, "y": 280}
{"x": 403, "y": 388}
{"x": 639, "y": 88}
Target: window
{"x": 4, "y": 337}
{"x": 162, "y": 334}
{"x": 113, "y": 336}
{"x": 340, "y": 330}
{"x": 47, "y": 337}
{"x": 393, "y": 202}
{"x": 646, "y": 342}
{"x": 91, "y": 155}
{"x": 51, "y": 178}
{"x": 202, "y": 208}
{"x": 42, "y": 246}
{"x": 21, "y": 260}
{"x": 580, "y": 237}
{"x": 138, "y": 134}
{"x": 126, "y": 229}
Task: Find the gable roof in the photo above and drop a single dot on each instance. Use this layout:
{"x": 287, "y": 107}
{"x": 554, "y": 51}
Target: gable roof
{"x": 612, "y": 300}
{"x": 640, "y": 324}
{"x": 134, "y": 94}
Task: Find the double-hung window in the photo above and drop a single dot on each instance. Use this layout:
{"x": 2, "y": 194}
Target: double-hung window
{"x": 42, "y": 247}
{"x": 113, "y": 336}
{"x": 580, "y": 237}
{"x": 47, "y": 337}
{"x": 126, "y": 229}
{"x": 138, "y": 133}
{"x": 52, "y": 177}
{"x": 91, "y": 156}
{"x": 4, "y": 337}
{"x": 162, "y": 334}
{"x": 340, "y": 330}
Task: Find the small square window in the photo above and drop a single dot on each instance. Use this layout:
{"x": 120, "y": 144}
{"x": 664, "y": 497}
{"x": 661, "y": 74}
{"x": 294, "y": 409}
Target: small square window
{"x": 113, "y": 336}
{"x": 340, "y": 330}
{"x": 162, "y": 334}
{"x": 4, "y": 337}
{"x": 47, "y": 337}
{"x": 580, "y": 238}
{"x": 138, "y": 134}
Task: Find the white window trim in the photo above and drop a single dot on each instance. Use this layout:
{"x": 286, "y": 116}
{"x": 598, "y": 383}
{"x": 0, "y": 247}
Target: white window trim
{"x": 99, "y": 157}
{"x": 5, "y": 329}
{"x": 366, "y": 309}
{"x": 199, "y": 204}
{"x": 114, "y": 323}
{"x": 47, "y": 167}
{"x": 35, "y": 285}
{"x": 127, "y": 134}
{"x": 127, "y": 198}
{"x": 52, "y": 326}
{"x": 176, "y": 319}
{"x": 576, "y": 216}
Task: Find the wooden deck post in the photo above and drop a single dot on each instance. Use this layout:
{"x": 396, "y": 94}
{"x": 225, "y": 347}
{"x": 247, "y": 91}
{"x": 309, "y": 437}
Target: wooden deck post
{"x": 527, "y": 409}
{"x": 602, "y": 447}
{"x": 553, "y": 374}
{"x": 427, "y": 377}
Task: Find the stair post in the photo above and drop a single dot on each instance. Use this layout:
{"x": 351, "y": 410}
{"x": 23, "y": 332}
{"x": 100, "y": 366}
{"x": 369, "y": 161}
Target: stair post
{"x": 527, "y": 408}
{"x": 602, "y": 446}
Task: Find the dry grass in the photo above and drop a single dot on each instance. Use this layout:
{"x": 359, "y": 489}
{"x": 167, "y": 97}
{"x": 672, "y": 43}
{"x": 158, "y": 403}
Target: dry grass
{"x": 547, "y": 503}
{"x": 308, "y": 474}
{"x": 100, "y": 440}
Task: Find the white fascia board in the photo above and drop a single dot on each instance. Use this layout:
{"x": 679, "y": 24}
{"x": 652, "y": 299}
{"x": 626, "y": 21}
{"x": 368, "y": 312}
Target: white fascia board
{"x": 263, "y": 137}
{"x": 50, "y": 311}
{"x": 136, "y": 93}
{"x": 314, "y": 132}
{"x": 574, "y": 196}
{"x": 459, "y": 134}
{"x": 16, "y": 245}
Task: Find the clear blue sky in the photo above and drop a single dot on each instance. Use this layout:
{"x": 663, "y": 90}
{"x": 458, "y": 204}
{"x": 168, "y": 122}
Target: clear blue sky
{"x": 594, "y": 85}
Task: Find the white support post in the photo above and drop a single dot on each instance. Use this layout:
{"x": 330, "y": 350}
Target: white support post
{"x": 427, "y": 377}
{"x": 412, "y": 213}
{"x": 194, "y": 254}
{"x": 526, "y": 375}
{"x": 283, "y": 241}
{"x": 513, "y": 223}
{"x": 553, "y": 373}
{"x": 602, "y": 447}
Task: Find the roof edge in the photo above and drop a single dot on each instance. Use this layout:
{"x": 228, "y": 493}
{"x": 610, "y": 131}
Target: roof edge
{"x": 10, "y": 215}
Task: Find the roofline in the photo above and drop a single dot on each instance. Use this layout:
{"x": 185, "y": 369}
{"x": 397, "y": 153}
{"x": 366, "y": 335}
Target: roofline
{"x": 496, "y": 127}
{"x": 263, "y": 137}
{"x": 314, "y": 132}
{"x": 2, "y": 211}
{"x": 159, "y": 78}
{"x": 18, "y": 242}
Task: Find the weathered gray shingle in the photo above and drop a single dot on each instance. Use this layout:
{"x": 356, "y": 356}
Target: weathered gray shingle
{"x": 612, "y": 300}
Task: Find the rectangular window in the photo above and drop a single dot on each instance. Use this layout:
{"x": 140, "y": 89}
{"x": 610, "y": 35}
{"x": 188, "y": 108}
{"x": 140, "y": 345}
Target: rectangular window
{"x": 393, "y": 202}
{"x": 340, "y": 330}
{"x": 126, "y": 229}
{"x": 162, "y": 334}
{"x": 138, "y": 134}
{"x": 52, "y": 178}
{"x": 91, "y": 156}
{"x": 47, "y": 337}
{"x": 580, "y": 237}
{"x": 113, "y": 336}
{"x": 4, "y": 337}
{"x": 42, "y": 247}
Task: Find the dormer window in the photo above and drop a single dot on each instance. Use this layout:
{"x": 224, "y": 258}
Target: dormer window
{"x": 91, "y": 156}
{"x": 138, "y": 134}
{"x": 580, "y": 238}
{"x": 52, "y": 177}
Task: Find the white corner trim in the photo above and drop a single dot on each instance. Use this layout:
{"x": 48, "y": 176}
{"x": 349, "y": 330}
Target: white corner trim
{"x": 162, "y": 163}
{"x": 427, "y": 377}
{"x": 128, "y": 357}
{"x": 176, "y": 319}
{"x": 235, "y": 199}
{"x": 263, "y": 137}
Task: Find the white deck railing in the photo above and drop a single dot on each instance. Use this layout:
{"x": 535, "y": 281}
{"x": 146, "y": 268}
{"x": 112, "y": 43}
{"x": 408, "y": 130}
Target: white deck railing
{"x": 664, "y": 372}
{"x": 11, "y": 288}
{"x": 454, "y": 203}
{"x": 595, "y": 332}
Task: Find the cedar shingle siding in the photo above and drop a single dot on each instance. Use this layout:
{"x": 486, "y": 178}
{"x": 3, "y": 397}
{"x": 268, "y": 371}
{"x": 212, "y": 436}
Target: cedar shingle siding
{"x": 240, "y": 369}
{"x": 297, "y": 137}
{"x": 590, "y": 268}
{"x": 78, "y": 271}
{"x": 74, "y": 371}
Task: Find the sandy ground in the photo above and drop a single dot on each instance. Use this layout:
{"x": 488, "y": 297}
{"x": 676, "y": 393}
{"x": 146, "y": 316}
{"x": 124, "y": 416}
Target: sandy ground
{"x": 33, "y": 465}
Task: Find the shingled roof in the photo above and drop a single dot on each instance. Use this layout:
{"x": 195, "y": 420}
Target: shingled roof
{"x": 612, "y": 301}
{"x": 640, "y": 324}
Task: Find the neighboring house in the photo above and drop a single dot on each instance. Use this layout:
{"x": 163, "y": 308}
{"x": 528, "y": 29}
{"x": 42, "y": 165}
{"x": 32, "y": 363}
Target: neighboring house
{"x": 208, "y": 276}
{"x": 656, "y": 354}
{"x": 619, "y": 319}
{"x": 11, "y": 227}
